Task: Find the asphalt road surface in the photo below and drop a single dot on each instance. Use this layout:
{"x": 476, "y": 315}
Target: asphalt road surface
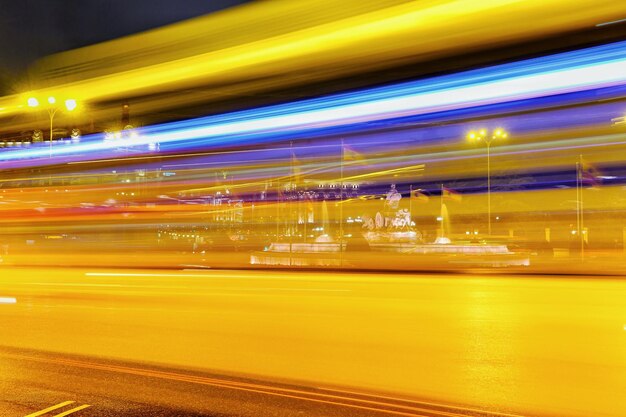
{"x": 101, "y": 342}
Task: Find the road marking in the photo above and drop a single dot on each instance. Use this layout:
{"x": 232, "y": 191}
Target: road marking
{"x": 451, "y": 407}
{"x": 54, "y": 407}
{"x": 409, "y": 408}
{"x": 72, "y": 411}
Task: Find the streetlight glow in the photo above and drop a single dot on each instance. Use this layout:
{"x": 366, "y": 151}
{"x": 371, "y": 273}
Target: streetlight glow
{"x": 52, "y": 109}
{"x": 70, "y": 104}
{"x": 498, "y": 133}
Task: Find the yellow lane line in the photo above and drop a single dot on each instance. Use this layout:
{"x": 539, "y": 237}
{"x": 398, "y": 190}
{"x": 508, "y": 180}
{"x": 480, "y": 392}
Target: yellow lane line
{"x": 73, "y": 410}
{"x": 451, "y": 407}
{"x": 54, "y": 407}
{"x": 414, "y": 410}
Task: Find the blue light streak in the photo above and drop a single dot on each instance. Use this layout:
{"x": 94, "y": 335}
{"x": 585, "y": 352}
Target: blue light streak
{"x": 571, "y": 72}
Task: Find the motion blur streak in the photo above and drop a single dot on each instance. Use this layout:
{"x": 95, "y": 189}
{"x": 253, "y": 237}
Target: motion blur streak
{"x": 580, "y": 71}
{"x": 246, "y": 235}
{"x": 403, "y": 176}
{"x": 289, "y": 42}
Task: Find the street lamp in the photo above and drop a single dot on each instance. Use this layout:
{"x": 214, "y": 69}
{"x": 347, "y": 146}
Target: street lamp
{"x": 486, "y": 137}
{"x": 52, "y": 108}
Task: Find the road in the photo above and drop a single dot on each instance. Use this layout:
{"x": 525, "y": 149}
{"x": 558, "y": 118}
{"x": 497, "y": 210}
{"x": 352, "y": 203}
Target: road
{"x": 203, "y": 342}
{"x": 53, "y": 384}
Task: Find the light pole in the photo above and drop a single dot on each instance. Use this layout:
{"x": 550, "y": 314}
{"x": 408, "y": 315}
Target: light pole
{"x": 70, "y": 105}
{"x": 486, "y": 137}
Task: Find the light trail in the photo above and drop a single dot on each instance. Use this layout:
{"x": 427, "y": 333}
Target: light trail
{"x": 304, "y": 37}
{"x": 584, "y": 70}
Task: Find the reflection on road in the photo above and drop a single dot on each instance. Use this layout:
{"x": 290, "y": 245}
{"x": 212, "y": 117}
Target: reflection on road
{"x": 503, "y": 343}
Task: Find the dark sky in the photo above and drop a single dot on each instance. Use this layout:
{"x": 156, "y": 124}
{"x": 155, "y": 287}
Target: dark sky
{"x": 31, "y": 29}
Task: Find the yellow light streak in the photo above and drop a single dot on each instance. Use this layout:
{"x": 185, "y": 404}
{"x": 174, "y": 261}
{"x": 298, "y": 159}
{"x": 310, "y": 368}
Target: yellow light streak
{"x": 364, "y": 33}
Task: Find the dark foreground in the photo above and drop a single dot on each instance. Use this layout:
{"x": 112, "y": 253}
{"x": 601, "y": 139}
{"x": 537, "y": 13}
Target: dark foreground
{"x": 81, "y": 386}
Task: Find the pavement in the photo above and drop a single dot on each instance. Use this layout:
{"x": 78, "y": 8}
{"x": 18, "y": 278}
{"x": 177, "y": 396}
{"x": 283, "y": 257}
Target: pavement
{"x": 59, "y": 385}
{"x": 220, "y": 343}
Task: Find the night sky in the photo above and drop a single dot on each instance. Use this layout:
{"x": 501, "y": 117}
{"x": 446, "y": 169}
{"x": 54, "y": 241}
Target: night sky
{"x": 31, "y": 29}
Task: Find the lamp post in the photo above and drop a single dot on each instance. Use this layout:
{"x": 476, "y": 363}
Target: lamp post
{"x": 486, "y": 137}
{"x": 53, "y": 108}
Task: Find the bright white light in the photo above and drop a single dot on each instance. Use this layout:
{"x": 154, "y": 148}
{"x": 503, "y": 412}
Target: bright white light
{"x": 8, "y": 300}
{"x": 70, "y": 104}
{"x": 498, "y": 91}
{"x": 33, "y": 102}
{"x": 52, "y": 100}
